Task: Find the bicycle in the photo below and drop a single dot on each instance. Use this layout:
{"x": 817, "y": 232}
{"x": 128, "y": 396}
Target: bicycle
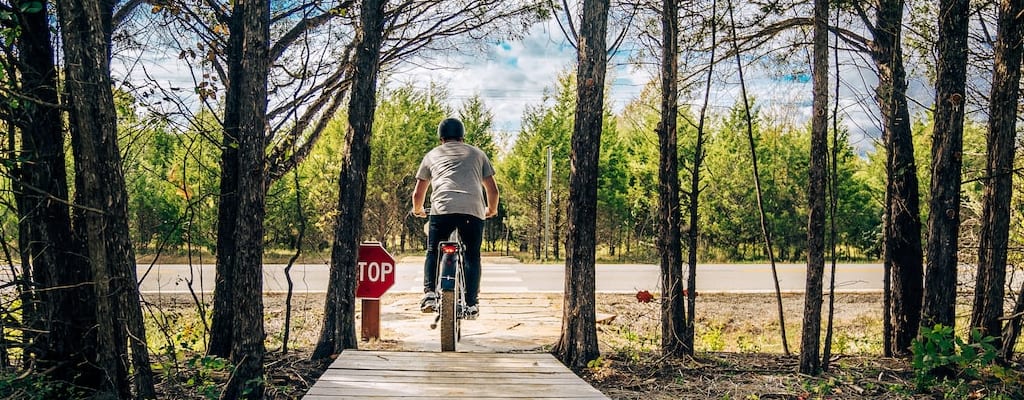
{"x": 451, "y": 292}
{"x": 450, "y": 289}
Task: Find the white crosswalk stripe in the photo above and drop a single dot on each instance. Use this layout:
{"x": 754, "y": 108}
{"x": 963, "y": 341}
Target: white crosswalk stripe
{"x": 494, "y": 278}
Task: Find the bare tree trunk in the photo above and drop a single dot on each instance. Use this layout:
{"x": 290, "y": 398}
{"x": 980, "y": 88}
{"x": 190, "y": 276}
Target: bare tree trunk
{"x": 765, "y": 231}
{"x": 902, "y": 254}
{"x": 833, "y": 205}
{"x": 227, "y": 215}
{"x": 947, "y": 146}
{"x": 810, "y": 338}
{"x": 247, "y": 91}
{"x": 86, "y": 32}
{"x": 694, "y": 193}
{"x": 673, "y": 308}
{"x": 990, "y": 287}
{"x": 313, "y": 120}
{"x": 577, "y": 344}
{"x": 887, "y": 293}
{"x": 64, "y": 346}
{"x": 300, "y": 215}
{"x": 339, "y": 331}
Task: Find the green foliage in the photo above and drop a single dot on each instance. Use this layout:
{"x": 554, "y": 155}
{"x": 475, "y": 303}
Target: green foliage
{"x": 35, "y": 387}
{"x": 318, "y": 180}
{"x": 819, "y": 388}
{"x": 855, "y": 342}
{"x": 637, "y": 148}
{"x": 613, "y": 202}
{"x": 405, "y": 128}
{"x": 521, "y": 173}
{"x": 940, "y": 354}
{"x": 636, "y": 342}
{"x": 207, "y": 370}
{"x": 974, "y": 149}
{"x": 729, "y": 218}
{"x": 172, "y": 179}
{"x": 624, "y": 169}
{"x": 597, "y": 364}
{"x": 477, "y": 120}
{"x": 748, "y": 344}
{"x": 712, "y": 337}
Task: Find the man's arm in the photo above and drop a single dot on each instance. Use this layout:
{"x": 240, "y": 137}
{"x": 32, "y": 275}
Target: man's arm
{"x": 491, "y": 190}
{"x": 419, "y": 194}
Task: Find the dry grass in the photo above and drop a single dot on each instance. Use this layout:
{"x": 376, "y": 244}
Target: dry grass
{"x": 739, "y": 352}
{"x": 739, "y": 355}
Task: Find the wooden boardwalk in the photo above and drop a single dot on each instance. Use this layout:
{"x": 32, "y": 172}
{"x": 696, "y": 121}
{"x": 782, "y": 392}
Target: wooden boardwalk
{"x": 431, "y": 375}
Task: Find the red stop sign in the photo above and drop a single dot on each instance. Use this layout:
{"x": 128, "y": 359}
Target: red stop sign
{"x": 375, "y": 270}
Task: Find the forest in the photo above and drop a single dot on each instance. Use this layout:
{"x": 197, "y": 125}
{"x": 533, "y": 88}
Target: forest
{"x": 292, "y": 136}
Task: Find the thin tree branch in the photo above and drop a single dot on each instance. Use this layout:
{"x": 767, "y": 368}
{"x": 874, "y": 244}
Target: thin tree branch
{"x": 303, "y": 26}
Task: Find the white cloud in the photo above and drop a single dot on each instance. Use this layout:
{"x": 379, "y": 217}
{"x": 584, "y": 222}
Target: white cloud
{"x": 513, "y": 75}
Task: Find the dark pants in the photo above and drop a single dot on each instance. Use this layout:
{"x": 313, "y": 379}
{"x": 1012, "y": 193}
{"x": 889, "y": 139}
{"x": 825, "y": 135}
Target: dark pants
{"x": 471, "y": 230}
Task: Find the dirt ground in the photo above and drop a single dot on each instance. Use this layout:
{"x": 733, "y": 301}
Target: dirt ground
{"x": 739, "y": 347}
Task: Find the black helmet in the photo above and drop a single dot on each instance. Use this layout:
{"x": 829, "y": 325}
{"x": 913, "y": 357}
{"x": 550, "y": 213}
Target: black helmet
{"x": 450, "y": 128}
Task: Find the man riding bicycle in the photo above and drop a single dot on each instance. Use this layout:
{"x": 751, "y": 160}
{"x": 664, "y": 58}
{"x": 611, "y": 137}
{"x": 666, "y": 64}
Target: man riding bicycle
{"x": 455, "y": 172}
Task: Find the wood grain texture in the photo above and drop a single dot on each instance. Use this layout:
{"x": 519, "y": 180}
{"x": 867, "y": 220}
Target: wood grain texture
{"x": 423, "y": 375}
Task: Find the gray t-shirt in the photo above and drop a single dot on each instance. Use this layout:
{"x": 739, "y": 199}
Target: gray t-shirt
{"x": 456, "y": 172}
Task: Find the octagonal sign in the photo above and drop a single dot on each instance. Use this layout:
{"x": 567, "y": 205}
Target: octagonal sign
{"x": 375, "y": 270}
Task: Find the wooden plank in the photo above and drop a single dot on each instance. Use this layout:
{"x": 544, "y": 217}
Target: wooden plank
{"x": 459, "y": 355}
{"x": 433, "y": 376}
{"x": 376, "y": 372}
{"x": 448, "y": 362}
{"x": 426, "y": 362}
{"x": 453, "y": 390}
{"x": 449, "y": 367}
{"x": 424, "y": 375}
{"x": 405, "y": 357}
{"x": 318, "y": 396}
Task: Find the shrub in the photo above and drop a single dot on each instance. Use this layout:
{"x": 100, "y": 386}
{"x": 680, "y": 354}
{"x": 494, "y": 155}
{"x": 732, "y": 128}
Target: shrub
{"x": 940, "y": 354}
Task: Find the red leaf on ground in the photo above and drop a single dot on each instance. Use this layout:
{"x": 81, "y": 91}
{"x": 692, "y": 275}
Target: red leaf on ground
{"x": 644, "y": 296}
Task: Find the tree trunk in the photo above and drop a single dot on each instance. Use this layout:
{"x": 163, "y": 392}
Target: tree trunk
{"x": 990, "y": 284}
{"x": 338, "y": 332}
{"x": 577, "y": 344}
{"x": 227, "y": 215}
{"x": 1011, "y": 332}
{"x": 698, "y": 160}
{"x": 61, "y": 274}
{"x": 810, "y": 338}
{"x": 902, "y": 254}
{"x": 247, "y": 93}
{"x": 673, "y": 308}
{"x": 759, "y": 192}
{"x": 86, "y": 31}
{"x": 947, "y": 147}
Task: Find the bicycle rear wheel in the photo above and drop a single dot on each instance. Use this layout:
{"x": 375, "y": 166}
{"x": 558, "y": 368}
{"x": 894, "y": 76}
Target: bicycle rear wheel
{"x": 449, "y": 321}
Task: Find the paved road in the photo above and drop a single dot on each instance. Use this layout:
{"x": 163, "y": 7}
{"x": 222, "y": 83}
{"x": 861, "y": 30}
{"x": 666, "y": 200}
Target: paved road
{"x": 506, "y": 275}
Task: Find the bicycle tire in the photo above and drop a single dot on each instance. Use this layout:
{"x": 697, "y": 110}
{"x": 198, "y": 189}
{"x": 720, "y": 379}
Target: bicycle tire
{"x": 449, "y": 320}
